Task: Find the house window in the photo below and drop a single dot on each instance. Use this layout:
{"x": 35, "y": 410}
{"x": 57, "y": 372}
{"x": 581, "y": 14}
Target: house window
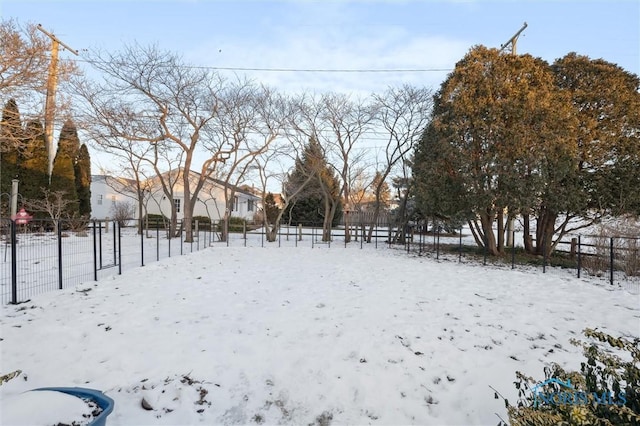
{"x": 250, "y": 205}
{"x": 234, "y": 207}
{"x": 113, "y": 200}
{"x": 176, "y": 204}
{"x": 100, "y": 199}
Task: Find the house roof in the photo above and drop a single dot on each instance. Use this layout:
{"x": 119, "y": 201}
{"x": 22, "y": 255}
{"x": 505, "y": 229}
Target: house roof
{"x": 131, "y": 183}
{"x": 242, "y": 189}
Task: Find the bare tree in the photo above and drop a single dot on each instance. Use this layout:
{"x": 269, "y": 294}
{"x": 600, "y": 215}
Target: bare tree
{"x": 266, "y": 173}
{"x": 23, "y": 58}
{"x": 53, "y": 203}
{"x": 129, "y": 161}
{"x": 24, "y": 66}
{"x": 271, "y": 166}
{"x": 123, "y": 212}
{"x": 167, "y": 104}
{"x": 309, "y": 125}
{"x": 346, "y": 121}
{"x": 249, "y": 120}
{"x": 402, "y": 114}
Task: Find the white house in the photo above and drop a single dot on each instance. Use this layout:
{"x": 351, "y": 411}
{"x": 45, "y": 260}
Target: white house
{"x": 107, "y": 191}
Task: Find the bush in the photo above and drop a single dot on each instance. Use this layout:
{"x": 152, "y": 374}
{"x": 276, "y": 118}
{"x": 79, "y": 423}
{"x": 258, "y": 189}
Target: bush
{"x": 606, "y": 390}
{"x": 236, "y": 224}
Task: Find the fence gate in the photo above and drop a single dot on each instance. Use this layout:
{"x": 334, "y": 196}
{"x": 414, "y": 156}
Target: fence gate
{"x": 107, "y": 251}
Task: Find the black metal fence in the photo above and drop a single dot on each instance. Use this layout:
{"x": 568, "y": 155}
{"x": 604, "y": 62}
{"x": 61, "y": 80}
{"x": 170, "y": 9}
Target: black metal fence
{"x": 614, "y": 259}
{"x": 44, "y": 255}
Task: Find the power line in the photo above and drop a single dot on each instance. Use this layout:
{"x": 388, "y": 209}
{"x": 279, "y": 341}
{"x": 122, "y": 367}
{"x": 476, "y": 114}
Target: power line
{"x": 399, "y": 70}
{"x": 281, "y": 69}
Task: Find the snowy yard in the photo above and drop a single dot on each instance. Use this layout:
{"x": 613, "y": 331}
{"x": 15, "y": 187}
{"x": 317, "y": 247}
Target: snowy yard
{"x": 250, "y": 335}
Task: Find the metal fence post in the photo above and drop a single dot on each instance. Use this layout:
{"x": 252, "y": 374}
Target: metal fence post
{"x": 459, "y": 245}
{"x": 59, "y": 255}
{"x": 513, "y": 249}
{"x": 14, "y": 264}
{"x": 438, "y": 244}
{"x": 405, "y": 231}
{"x": 142, "y": 231}
{"x": 435, "y": 224}
{"x": 115, "y": 237}
{"x": 116, "y": 224}
{"x": 611, "y": 260}
{"x": 579, "y": 256}
{"x": 100, "y": 245}
{"x": 95, "y": 254}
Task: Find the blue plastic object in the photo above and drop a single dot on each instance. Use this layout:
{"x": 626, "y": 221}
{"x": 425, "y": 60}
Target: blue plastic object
{"x": 103, "y": 401}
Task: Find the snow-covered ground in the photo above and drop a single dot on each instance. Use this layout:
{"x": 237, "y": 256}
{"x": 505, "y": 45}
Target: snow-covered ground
{"x": 252, "y": 335}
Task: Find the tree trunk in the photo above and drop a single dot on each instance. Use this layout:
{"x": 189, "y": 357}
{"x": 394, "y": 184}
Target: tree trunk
{"x": 473, "y": 226}
{"x": 329, "y": 211}
{"x": 187, "y": 218}
{"x": 486, "y": 220}
{"x": 140, "y": 212}
{"x": 271, "y": 232}
{"x": 528, "y": 244}
{"x": 403, "y": 220}
{"x": 187, "y": 209}
{"x": 376, "y": 213}
{"x": 544, "y": 232}
{"x": 173, "y": 225}
{"x": 500, "y": 223}
{"x": 345, "y": 197}
{"x": 347, "y": 227}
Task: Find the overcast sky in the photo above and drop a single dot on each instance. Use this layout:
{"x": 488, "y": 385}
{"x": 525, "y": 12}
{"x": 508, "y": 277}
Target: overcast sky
{"x": 426, "y": 36}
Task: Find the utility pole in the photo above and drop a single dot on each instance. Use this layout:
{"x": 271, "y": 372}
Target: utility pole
{"x": 513, "y": 40}
{"x": 50, "y": 102}
{"x": 510, "y": 218}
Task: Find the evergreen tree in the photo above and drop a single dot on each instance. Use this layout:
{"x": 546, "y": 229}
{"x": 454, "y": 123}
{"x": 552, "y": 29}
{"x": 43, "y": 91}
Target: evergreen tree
{"x": 385, "y": 191}
{"x": 34, "y": 171}
{"x": 323, "y": 189}
{"x": 606, "y": 100}
{"x": 82, "y": 173}
{"x": 10, "y": 157}
{"x": 502, "y": 137}
{"x": 62, "y": 175}
{"x": 271, "y": 209}
{"x": 514, "y": 133}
